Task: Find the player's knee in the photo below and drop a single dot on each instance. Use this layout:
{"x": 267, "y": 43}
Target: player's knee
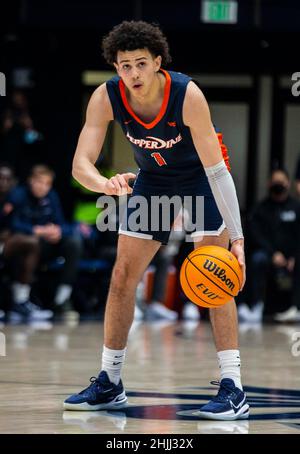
{"x": 122, "y": 278}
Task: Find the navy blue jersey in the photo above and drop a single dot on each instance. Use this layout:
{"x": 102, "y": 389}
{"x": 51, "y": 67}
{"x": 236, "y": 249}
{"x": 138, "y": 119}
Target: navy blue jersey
{"x": 164, "y": 146}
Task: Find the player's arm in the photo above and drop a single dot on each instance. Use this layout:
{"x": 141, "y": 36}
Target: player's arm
{"x": 196, "y": 116}
{"x": 99, "y": 114}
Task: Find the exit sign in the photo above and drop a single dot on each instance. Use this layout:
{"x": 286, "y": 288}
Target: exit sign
{"x": 219, "y": 12}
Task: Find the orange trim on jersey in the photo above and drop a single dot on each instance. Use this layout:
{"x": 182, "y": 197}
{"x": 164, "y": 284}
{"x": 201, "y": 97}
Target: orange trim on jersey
{"x": 224, "y": 150}
{"x": 163, "y": 106}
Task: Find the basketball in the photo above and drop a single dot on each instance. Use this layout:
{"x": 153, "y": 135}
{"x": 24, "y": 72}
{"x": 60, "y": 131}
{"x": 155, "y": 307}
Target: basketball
{"x": 211, "y": 276}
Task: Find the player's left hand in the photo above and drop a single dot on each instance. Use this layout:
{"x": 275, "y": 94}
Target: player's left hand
{"x": 237, "y": 249}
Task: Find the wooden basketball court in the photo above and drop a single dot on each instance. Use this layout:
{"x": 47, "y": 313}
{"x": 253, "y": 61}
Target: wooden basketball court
{"x": 167, "y": 374}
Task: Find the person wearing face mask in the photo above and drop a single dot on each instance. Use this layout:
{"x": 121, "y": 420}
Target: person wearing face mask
{"x": 274, "y": 231}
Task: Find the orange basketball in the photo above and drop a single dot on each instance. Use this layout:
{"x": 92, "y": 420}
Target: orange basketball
{"x": 211, "y": 276}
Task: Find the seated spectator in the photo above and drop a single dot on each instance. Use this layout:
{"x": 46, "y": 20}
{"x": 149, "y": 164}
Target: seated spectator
{"x": 18, "y": 248}
{"x": 274, "y": 230}
{"x": 38, "y": 215}
{"x": 6, "y": 183}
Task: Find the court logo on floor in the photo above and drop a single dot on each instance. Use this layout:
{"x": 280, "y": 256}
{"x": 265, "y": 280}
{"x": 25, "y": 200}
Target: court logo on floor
{"x": 266, "y": 404}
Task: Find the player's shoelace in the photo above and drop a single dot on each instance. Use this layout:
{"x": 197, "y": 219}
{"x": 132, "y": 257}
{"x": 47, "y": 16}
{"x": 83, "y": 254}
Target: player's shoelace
{"x": 95, "y": 386}
{"x": 222, "y": 395}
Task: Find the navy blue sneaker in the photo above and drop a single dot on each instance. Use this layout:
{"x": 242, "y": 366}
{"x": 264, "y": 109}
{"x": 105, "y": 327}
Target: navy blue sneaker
{"x": 100, "y": 395}
{"x": 229, "y": 404}
{"x": 21, "y": 312}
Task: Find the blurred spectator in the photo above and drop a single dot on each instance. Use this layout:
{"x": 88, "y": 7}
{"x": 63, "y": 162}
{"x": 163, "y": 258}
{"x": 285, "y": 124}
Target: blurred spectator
{"x": 19, "y": 249}
{"x": 275, "y": 230}
{"x": 85, "y": 214}
{"x": 38, "y": 215}
{"x": 99, "y": 255}
{"x": 7, "y": 181}
{"x": 19, "y": 140}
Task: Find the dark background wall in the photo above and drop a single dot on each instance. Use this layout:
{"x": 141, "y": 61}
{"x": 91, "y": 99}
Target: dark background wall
{"x": 58, "y": 40}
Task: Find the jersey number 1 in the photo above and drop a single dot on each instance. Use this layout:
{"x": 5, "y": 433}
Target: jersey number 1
{"x": 159, "y": 159}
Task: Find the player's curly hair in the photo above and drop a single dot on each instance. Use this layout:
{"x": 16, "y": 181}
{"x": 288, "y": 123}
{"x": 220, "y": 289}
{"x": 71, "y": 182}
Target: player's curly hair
{"x": 132, "y": 35}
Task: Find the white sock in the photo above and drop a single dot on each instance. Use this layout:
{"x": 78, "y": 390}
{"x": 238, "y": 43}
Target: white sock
{"x": 20, "y": 292}
{"x": 112, "y": 361}
{"x": 230, "y": 365}
{"x": 63, "y": 293}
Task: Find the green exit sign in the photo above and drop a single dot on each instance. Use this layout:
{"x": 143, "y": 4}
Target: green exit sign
{"x": 219, "y": 12}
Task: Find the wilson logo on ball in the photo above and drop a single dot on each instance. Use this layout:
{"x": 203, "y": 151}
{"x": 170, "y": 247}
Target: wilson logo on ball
{"x": 212, "y": 267}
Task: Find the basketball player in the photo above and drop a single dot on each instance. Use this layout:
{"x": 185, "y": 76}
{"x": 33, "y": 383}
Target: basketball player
{"x": 154, "y": 105}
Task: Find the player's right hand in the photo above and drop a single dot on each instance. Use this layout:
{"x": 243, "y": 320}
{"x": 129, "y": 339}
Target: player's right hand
{"x": 118, "y": 184}
{"x": 237, "y": 249}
